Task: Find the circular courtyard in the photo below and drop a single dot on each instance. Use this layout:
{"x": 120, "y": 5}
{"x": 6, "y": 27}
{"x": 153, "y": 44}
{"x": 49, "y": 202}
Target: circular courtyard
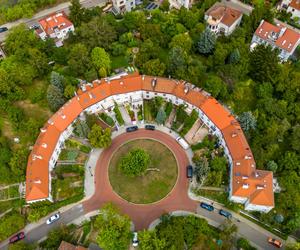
{"x": 154, "y": 183}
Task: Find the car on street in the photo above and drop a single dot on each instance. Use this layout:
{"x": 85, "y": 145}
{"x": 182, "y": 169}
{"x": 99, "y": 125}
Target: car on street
{"x": 3, "y": 29}
{"x": 132, "y": 128}
{"x": 189, "y": 172}
{"x": 53, "y": 218}
{"x": 150, "y": 127}
{"x": 275, "y": 242}
{"x": 17, "y": 237}
{"x": 34, "y": 27}
{"x": 207, "y": 206}
{"x": 225, "y": 213}
{"x": 135, "y": 241}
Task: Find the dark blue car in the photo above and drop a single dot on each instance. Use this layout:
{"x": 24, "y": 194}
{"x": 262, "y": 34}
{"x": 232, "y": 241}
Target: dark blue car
{"x": 207, "y": 206}
{"x": 225, "y": 213}
{"x": 131, "y": 129}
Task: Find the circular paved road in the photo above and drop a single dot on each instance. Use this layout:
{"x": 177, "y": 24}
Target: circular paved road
{"x": 142, "y": 215}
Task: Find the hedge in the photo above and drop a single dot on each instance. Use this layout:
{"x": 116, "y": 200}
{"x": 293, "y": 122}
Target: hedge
{"x": 189, "y": 122}
{"x": 118, "y": 115}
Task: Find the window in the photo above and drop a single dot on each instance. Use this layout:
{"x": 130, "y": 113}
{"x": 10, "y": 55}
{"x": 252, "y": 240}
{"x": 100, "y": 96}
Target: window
{"x": 164, "y": 94}
{"x": 155, "y": 93}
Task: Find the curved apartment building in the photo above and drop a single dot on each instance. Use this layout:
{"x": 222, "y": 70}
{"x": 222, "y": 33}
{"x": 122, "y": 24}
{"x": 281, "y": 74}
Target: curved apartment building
{"x": 252, "y": 187}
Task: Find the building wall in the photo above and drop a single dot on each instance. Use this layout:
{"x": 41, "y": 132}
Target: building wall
{"x": 253, "y": 207}
{"x": 294, "y": 12}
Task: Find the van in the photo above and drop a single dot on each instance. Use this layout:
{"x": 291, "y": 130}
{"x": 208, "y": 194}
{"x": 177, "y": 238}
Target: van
{"x": 225, "y": 214}
{"x": 182, "y": 143}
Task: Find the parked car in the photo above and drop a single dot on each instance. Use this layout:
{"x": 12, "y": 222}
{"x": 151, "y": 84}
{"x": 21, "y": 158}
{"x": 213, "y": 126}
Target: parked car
{"x": 3, "y": 29}
{"x": 53, "y": 218}
{"x": 189, "y": 171}
{"x": 17, "y": 237}
{"x": 182, "y": 143}
{"x": 34, "y": 27}
{"x": 150, "y": 127}
{"x": 275, "y": 242}
{"x": 207, "y": 206}
{"x": 132, "y": 128}
{"x": 135, "y": 241}
{"x": 225, "y": 213}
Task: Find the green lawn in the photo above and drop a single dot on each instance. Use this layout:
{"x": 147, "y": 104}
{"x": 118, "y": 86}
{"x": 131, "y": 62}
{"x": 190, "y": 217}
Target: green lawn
{"x": 147, "y": 111}
{"x": 154, "y": 185}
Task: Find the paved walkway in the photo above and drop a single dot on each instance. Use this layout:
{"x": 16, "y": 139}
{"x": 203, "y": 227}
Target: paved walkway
{"x": 141, "y": 215}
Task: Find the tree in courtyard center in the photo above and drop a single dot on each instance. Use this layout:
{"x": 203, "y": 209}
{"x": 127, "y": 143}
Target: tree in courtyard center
{"x": 161, "y": 116}
{"x": 113, "y": 228}
{"x": 100, "y": 138}
{"x": 101, "y": 61}
{"x": 207, "y": 41}
{"x": 135, "y": 162}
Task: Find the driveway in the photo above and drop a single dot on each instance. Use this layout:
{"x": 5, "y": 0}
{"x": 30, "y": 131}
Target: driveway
{"x": 142, "y": 215}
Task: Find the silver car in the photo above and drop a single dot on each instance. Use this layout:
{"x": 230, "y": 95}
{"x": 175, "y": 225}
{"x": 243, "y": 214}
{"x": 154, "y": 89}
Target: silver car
{"x": 53, "y": 218}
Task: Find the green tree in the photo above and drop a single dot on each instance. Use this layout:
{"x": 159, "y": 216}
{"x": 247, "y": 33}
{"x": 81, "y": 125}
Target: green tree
{"x": 76, "y": 13}
{"x": 154, "y": 67}
{"x": 69, "y": 91}
{"x": 247, "y": 121}
{"x": 78, "y": 59}
{"x": 113, "y": 228}
{"x": 234, "y": 56}
{"x": 295, "y": 138}
{"x": 21, "y": 245}
{"x": 101, "y": 61}
{"x": 148, "y": 240}
{"x": 201, "y": 168}
{"x": 55, "y": 237}
{"x": 81, "y": 129}
{"x": 244, "y": 244}
{"x": 165, "y": 5}
{"x": 216, "y": 86}
{"x": 206, "y": 43}
{"x": 11, "y": 223}
{"x": 135, "y": 162}
{"x": 272, "y": 166}
{"x": 18, "y": 163}
{"x": 264, "y": 64}
{"x": 57, "y": 80}
{"x": 55, "y": 98}
{"x": 161, "y": 116}
{"x": 100, "y": 138}
{"x": 178, "y": 60}
{"x": 183, "y": 41}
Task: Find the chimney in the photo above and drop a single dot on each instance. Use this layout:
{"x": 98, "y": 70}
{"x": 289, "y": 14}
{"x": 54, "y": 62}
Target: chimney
{"x": 121, "y": 83}
{"x": 186, "y": 89}
{"x": 34, "y": 157}
{"x": 143, "y": 77}
{"x": 244, "y": 177}
{"x": 63, "y": 116}
{"x": 90, "y": 95}
{"x": 238, "y": 163}
{"x": 256, "y": 174}
{"x": 43, "y": 130}
{"x": 234, "y": 135}
{"x": 248, "y": 157}
{"x": 245, "y": 186}
{"x": 50, "y": 122}
{"x": 44, "y": 145}
{"x": 37, "y": 181}
{"x": 153, "y": 82}
{"x": 259, "y": 187}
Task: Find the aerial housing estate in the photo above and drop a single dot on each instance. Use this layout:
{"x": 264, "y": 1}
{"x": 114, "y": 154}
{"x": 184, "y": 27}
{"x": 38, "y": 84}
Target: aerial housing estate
{"x": 248, "y": 185}
{"x": 277, "y": 36}
{"x": 56, "y": 26}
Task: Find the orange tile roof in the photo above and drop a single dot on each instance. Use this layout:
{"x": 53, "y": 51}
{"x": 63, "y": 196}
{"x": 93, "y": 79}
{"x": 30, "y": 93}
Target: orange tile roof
{"x": 284, "y": 38}
{"x": 55, "y": 21}
{"x": 244, "y": 169}
{"x": 227, "y": 15}
{"x": 217, "y": 113}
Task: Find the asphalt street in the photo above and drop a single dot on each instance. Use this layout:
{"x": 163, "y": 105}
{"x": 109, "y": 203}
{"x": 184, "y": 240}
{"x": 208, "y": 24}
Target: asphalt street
{"x": 61, "y": 7}
{"x": 257, "y": 237}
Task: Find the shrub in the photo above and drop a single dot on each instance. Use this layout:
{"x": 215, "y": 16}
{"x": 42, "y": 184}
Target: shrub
{"x": 189, "y": 122}
{"x": 168, "y": 108}
{"x": 11, "y": 223}
{"x": 135, "y": 162}
{"x": 118, "y": 115}
{"x": 107, "y": 119}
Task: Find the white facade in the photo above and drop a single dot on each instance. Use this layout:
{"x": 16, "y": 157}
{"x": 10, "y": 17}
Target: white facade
{"x": 122, "y": 6}
{"x": 177, "y": 4}
{"x": 285, "y": 5}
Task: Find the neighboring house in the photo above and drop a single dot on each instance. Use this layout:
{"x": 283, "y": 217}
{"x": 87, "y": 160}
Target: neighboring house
{"x": 122, "y": 6}
{"x": 291, "y": 6}
{"x": 177, "y": 4}
{"x": 222, "y": 19}
{"x": 278, "y": 36}
{"x": 56, "y": 26}
{"x": 249, "y": 186}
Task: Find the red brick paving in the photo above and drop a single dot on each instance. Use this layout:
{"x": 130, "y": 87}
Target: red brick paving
{"x": 142, "y": 215}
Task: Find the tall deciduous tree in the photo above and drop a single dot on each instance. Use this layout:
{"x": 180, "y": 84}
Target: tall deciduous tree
{"x": 148, "y": 240}
{"x": 100, "y": 138}
{"x": 101, "y": 61}
{"x": 113, "y": 228}
{"x": 178, "y": 59}
{"x": 154, "y": 67}
{"x": 79, "y": 60}
{"x": 206, "y": 43}
{"x": 183, "y": 41}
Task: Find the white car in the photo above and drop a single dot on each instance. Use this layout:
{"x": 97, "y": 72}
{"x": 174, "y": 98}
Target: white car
{"x": 135, "y": 241}
{"x": 53, "y": 218}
